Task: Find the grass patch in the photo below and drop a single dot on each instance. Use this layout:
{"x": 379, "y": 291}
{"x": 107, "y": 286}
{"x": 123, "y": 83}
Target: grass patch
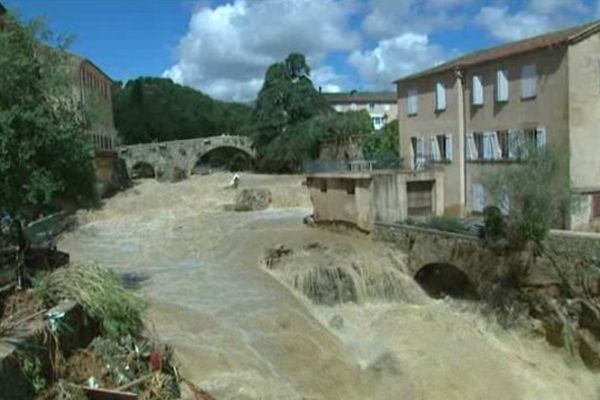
{"x": 99, "y": 292}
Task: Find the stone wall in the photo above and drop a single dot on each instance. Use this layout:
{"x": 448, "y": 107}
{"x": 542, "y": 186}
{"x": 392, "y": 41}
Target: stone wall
{"x": 111, "y": 173}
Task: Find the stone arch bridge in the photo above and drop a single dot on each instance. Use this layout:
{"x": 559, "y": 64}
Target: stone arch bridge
{"x": 462, "y": 266}
{"x": 180, "y": 154}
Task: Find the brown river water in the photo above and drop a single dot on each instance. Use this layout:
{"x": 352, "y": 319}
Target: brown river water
{"x": 241, "y": 331}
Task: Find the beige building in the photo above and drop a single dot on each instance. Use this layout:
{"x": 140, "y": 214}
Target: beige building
{"x": 93, "y": 89}
{"x": 381, "y": 106}
{"x": 464, "y": 116}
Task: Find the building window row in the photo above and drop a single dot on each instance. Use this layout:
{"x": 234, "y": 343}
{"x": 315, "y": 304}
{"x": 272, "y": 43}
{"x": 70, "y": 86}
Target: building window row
{"x": 378, "y": 121}
{"x": 92, "y": 83}
{"x": 502, "y": 85}
{"x": 510, "y": 144}
{"x": 433, "y": 149}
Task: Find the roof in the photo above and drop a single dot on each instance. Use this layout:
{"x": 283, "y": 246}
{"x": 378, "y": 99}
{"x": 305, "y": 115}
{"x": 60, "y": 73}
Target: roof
{"x": 80, "y": 60}
{"x": 361, "y": 97}
{"x": 511, "y": 49}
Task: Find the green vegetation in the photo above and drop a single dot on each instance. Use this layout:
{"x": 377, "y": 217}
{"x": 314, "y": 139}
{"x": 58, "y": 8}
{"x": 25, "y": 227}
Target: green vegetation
{"x": 156, "y": 109}
{"x": 291, "y": 118}
{"x": 99, "y": 292}
{"x": 383, "y": 146}
{"x": 45, "y": 154}
{"x": 538, "y": 193}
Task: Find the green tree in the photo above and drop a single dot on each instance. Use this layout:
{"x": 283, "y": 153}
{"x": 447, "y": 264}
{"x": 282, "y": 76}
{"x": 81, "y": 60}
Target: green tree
{"x": 383, "y": 146}
{"x": 156, "y": 109}
{"x": 535, "y": 192}
{"x": 44, "y": 152}
{"x": 282, "y": 131}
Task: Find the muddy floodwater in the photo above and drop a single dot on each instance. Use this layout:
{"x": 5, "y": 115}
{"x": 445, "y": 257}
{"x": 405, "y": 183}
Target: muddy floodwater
{"x": 242, "y": 330}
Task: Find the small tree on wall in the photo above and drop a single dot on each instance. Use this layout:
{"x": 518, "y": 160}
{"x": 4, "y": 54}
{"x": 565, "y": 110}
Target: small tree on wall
{"x": 535, "y": 194}
{"x": 44, "y": 151}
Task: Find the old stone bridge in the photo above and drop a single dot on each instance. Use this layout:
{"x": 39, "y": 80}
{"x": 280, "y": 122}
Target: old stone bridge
{"x": 446, "y": 263}
{"x": 182, "y": 155}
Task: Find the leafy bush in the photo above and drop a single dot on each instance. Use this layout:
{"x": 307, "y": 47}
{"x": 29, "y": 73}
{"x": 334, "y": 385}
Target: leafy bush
{"x": 99, "y": 292}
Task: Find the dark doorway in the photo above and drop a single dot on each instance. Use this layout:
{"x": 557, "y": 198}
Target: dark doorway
{"x": 596, "y": 206}
{"x": 440, "y": 280}
{"x": 420, "y": 198}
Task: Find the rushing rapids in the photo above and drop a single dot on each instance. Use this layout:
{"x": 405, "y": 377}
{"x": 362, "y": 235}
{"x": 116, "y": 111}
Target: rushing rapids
{"x": 258, "y": 306}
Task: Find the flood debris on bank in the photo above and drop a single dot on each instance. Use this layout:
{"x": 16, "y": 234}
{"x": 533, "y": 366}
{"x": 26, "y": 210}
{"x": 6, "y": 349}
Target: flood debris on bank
{"x": 78, "y": 334}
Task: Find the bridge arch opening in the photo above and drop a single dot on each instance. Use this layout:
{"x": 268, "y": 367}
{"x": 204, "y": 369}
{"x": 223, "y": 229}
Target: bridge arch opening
{"x": 439, "y": 280}
{"x": 224, "y": 158}
{"x": 142, "y": 170}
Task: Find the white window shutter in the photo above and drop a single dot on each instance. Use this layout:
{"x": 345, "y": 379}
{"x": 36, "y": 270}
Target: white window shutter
{"x": 449, "y": 148}
{"x": 420, "y": 149}
{"x": 504, "y": 201}
{"x": 412, "y": 104}
{"x": 528, "y": 81}
{"x": 497, "y": 151}
{"x": 477, "y": 90}
{"x": 540, "y": 137}
{"x": 435, "y": 149}
{"x": 513, "y": 143}
{"x": 440, "y": 96}
{"x": 487, "y": 146}
{"x": 478, "y": 197}
{"x": 469, "y": 144}
{"x": 502, "y": 85}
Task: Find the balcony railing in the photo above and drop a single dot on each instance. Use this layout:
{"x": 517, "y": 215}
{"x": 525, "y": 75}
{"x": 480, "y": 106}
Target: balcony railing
{"x": 351, "y": 165}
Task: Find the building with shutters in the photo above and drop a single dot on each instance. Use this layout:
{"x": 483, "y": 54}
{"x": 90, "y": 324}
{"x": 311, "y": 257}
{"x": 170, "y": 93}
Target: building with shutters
{"x": 381, "y": 106}
{"x": 469, "y": 116}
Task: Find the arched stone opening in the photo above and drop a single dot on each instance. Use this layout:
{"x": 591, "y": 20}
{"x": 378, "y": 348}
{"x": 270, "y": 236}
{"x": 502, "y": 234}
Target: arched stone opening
{"x": 224, "y": 158}
{"x": 142, "y": 170}
{"x": 442, "y": 279}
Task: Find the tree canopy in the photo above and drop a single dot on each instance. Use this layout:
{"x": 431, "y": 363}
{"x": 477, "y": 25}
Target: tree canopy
{"x": 156, "y": 109}
{"x": 291, "y": 117}
{"x": 44, "y": 151}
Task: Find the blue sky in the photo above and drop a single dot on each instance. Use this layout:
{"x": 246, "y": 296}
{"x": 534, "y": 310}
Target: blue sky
{"x": 223, "y": 47}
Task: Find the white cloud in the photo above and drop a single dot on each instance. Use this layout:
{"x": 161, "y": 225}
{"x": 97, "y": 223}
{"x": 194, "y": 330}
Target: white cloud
{"x": 536, "y": 17}
{"x": 228, "y": 48}
{"x": 388, "y": 18}
{"x": 503, "y": 25}
{"x": 394, "y": 58}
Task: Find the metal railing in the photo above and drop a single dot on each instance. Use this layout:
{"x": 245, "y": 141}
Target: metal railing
{"x": 350, "y": 165}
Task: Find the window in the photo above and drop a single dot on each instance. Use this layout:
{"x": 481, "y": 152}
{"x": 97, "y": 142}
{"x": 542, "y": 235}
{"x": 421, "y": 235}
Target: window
{"x": 418, "y": 147}
{"x": 504, "y": 143}
{"x": 440, "y": 97}
{"x": 528, "y": 81}
{"x": 444, "y": 145}
{"x": 536, "y": 137}
{"x": 477, "y": 90}
{"x": 378, "y": 121}
{"x": 371, "y": 107}
{"x": 412, "y": 103}
{"x": 350, "y": 186}
{"x": 479, "y": 145}
{"x": 323, "y": 185}
{"x": 502, "y": 85}
{"x": 471, "y": 147}
{"x": 478, "y": 198}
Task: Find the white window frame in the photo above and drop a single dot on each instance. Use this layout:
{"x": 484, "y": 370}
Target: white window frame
{"x": 502, "y": 85}
{"x": 504, "y": 201}
{"x": 412, "y": 102}
{"x": 477, "y": 96}
{"x": 540, "y": 137}
{"x": 440, "y": 96}
{"x": 528, "y": 81}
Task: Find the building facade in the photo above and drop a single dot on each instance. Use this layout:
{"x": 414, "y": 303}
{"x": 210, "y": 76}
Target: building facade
{"x": 380, "y": 106}
{"x": 465, "y": 116}
{"x": 93, "y": 89}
